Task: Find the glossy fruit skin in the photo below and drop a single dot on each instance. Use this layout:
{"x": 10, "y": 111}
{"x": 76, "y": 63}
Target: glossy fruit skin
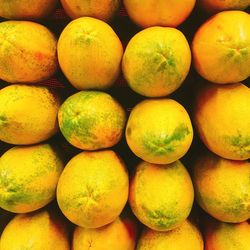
{"x": 222, "y": 187}
{"x": 38, "y": 231}
{"x": 221, "y": 48}
{"x": 187, "y": 236}
{"x": 25, "y": 10}
{"x": 91, "y": 46}
{"x": 28, "y": 114}
{"x": 93, "y": 188}
{"x": 156, "y": 61}
{"x": 159, "y": 13}
{"x": 103, "y": 10}
{"x": 161, "y": 196}
{"x": 159, "y": 131}
{"x": 221, "y": 116}
{"x": 27, "y": 52}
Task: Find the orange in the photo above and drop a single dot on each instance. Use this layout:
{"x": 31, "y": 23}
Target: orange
{"x": 221, "y": 116}
{"x": 41, "y": 230}
{"x": 213, "y": 6}
{"x": 120, "y": 234}
{"x": 225, "y": 236}
{"x": 26, "y": 9}
{"x": 159, "y": 131}
{"x": 27, "y": 52}
{"x": 28, "y": 114}
{"x": 103, "y": 10}
{"x": 222, "y": 187}
{"x": 93, "y": 188}
{"x": 92, "y": 120}
{"x": 156, "y": 61}
{"x": 161, "y": 196}
{"x": 89, "y": 53}
{"x": 221, "y": 48}
{"x": 28, "y": 177}
{"x": 186, "y": 236}
{"x": 159, "y": 13}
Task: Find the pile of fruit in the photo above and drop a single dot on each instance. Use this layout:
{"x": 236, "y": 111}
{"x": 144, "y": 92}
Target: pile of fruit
{"x": 124, "y": 125}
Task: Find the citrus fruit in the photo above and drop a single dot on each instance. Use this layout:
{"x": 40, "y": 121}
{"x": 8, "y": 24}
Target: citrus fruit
{"x": 156, "y": 61}
{"x": 26, "y": 9}
{"x": 120, "y": 234}
{"x": 159, "y": 13}
{"x": 28, "y": 114}
{"x": 186, "y": 236}
{"x": 39, "y": 230}
{"x": 221, "y": 115}
{"x": 159, "y": 131}
{"x": 92, "y": 120}
{"x": 103, "y": 10}
{"x": 221, "y": 48}
{"x": 213, "y": 6}
{"x": 227, "y": 236}
{"x": 27, "y": 52}
{"x": 28, "y": 177}
{"x": 93, "y": 188}
{"x": 161, "y": 196}
{"x": 222, "y": 187}
{"x": 90, "y": 53}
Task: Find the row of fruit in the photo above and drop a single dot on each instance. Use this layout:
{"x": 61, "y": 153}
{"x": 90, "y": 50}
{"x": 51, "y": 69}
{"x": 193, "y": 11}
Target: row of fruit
{"x": 94, "y": 186}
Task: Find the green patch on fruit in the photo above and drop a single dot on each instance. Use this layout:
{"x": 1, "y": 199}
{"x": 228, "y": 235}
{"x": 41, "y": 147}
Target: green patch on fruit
{"x": 240, "y": 144}
{"x": 167, "y": 144}
{"x": 161, "y": 218}
{"x": 3, "y": 120}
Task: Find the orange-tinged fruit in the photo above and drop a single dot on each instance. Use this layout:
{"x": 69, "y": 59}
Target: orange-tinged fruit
{"x": 225, "y": 236}
{"x": 213, "y": 6}
{"x": 222, "y": 187}
{"x": 28, "y": 114}
{"x": 221, "y": 48}
{"x": 26, "y": 9}
{"x": 120, "y": 234}
{"x": 186, "y": 236}
{"x": 28, "y": 177}
{"x": 221, "y": 116}
{"x": 92, "y": 120}
{"x": 40, "y": 230}
{"x": 159, "y": 131}
{"x": 161, "y": 196}
{"x": 156, "y": 61}
{"x": 93, "y": 188}
{"x": 89, "y": 53}
{"x": 159, "y": 13}
{"x": 27, "y": 52}
{"x": 103, "y": 10}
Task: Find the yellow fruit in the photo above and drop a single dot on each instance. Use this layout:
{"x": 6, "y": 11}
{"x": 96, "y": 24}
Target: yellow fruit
{"x": 161, "y": 196}
{"x": 40, "y": 230}
{"x": 28, "y": 114}
{"x": 159, "y": 13}
{"x": 26, "y": 9}
{"x": 185, "y": 237}
{"x": 92, "y": 120}
{"x": 156, "y": 61}
{"x": 222, "y": 187}
{"x": 103, "y": 10}
{"x": 213, "y": 6}
{"x": 27, "y": 52}
{"x": 93, "y": 188}
{"x": 159, "y": 131}
{"x": 221, "y": 48}
{"x": 120, "y": 234}
{"x": 221, "y": 116}
{"x": 90, "y": 53}
{"x": 28, "y": 177}
{"x": 225, "y": 236}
